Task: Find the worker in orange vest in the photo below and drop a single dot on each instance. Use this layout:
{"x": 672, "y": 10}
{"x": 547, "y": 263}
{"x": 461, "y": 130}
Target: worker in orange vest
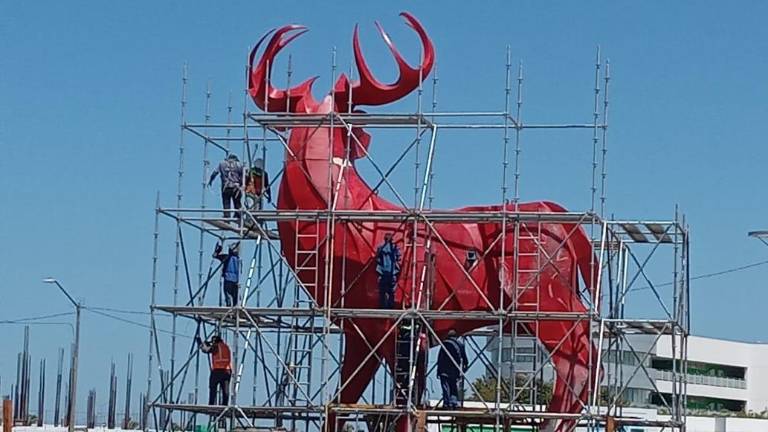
{"x": 221, "y": 368}
{"x": 257, "y": 186}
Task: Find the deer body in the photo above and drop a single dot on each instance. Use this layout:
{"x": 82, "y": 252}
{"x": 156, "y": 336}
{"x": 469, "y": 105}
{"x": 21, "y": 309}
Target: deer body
{"x": 320, "y": 174}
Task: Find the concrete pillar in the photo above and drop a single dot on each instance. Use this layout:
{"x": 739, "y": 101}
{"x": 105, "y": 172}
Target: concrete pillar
{"x": 720, "y": 424}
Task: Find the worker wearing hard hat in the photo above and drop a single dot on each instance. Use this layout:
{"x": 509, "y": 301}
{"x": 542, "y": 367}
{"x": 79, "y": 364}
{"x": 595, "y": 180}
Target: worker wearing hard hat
{"x": 221, "y": 368}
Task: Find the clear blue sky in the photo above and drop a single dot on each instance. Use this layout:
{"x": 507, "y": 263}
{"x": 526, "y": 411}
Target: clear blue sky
{"x": 89, "y": 112}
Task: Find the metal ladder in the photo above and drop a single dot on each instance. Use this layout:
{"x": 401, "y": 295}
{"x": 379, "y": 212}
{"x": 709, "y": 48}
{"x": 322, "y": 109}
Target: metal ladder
{"x": 298, "y": 357}
{"x": 307, "y": 260}
{"x": 420, "y": 251}
{"x": 529, "y": 276}
{"x": 405, "y": 364}
{"x": 299, "y": 362}
{"x": 407, "y": 353}
{"x": 524, "y": 345}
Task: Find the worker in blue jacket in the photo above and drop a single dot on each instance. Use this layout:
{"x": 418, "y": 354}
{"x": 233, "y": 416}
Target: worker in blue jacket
{"x": 387, "y": 269}
{"x": 230, "y": 271}
{"x": 451, "y": 364}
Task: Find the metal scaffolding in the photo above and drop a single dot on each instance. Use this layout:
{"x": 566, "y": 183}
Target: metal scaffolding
{"x": 288, "y": 346}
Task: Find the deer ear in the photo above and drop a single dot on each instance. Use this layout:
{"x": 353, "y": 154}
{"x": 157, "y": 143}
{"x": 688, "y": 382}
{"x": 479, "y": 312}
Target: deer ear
{"x": 361, "y": 141}
{"x": 360, "y": 147}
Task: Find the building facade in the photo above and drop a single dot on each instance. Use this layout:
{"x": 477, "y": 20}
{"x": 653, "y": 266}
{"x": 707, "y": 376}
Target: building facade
{"x": 721, "y": 376}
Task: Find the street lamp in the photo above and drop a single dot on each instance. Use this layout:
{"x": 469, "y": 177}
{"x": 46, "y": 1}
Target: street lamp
{"x": 73, "y": 372}
{"x": 760, "y": 235}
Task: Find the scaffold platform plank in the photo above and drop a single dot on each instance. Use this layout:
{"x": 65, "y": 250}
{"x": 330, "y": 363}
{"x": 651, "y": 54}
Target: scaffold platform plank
{"x": 247, "y": 314}
{"x": 251, "y": 318}
{"x": 445, "y": 216}
{"x": 433, "y": 414}
{"x": 642, "y": 326}
{"x": 340, "y": 120}
{"x": 247, "y": 231}
{"x": 240, "y": 411}
{"x": 667, "y": 232}
{"x": 436, "y": 414}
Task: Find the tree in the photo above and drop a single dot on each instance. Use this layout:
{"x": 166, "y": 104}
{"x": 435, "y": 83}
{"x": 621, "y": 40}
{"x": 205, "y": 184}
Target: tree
{"x": 607, "y": 399}
{"x": 485, "y": 388}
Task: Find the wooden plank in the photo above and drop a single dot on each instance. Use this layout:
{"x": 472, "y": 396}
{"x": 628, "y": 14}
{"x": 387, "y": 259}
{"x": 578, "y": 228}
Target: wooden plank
{"x": 659, "y": 232}
{"x": 634, "y": 233}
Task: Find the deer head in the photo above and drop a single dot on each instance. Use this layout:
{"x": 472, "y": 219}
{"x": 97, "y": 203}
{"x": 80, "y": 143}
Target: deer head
{"x": 365, "y": 91}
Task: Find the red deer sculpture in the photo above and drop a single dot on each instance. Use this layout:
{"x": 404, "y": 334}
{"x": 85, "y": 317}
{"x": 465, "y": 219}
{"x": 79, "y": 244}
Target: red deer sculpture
{"x": 308, "y": 183}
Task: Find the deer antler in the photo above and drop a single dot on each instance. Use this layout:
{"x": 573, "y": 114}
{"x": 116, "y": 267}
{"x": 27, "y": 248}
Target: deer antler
{"x": 260, "y": 86}
{"x": 368, "y": 90}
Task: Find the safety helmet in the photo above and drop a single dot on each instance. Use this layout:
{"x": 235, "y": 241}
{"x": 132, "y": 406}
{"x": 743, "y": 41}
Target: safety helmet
{"x": 234, "y": 248}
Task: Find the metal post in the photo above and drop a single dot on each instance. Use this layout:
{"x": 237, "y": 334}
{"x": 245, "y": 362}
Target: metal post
{"x": 24, "y": 399}
{"x": 41, "y": 395}
{"x": 15, "y": 393}
{"x": 69, "y": 383}
{"x": 56, "y": 412}
{"x": 206, "y": 169}
{"x": 128, "y": 385}
{"x": 604, "y": 152}
{"x": 90, "y": 421}
{"x": 111, "y": 398}
{"x": 502, "y": 269}
{"x": 593, "y": 190}
{"x": 75, "y": 361}
{"x": 328, "y": 266}
{"x": 595, "y": 122}
{"x": 179, "y": 196}
{"x": 75, "y": 356}
{"x": 142, "y": 412}
{"x": 434, "y": 132}
{"x": 155, "y": 236}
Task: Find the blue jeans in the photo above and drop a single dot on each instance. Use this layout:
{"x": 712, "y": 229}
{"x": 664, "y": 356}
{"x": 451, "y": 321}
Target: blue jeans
{"x": 450, "y": 391}
{"x": 387, "y": 282}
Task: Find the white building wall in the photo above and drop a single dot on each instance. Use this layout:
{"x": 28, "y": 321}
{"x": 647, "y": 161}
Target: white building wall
{"x": 752, "y": 356}
{"x": 757, "y": 378}
{"x": 710, "y": 350}
{"x": 707, "y": 391}
{"x": 700, "y": 424}
{"x": 736, "y": 424}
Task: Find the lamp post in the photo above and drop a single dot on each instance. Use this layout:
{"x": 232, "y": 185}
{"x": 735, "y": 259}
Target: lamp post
{"x": 760, "y": 235}
{"x": 73, "y": 372}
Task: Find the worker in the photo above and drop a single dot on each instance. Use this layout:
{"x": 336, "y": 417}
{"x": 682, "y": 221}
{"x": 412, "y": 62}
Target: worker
{"x": 387, "y": 269}
{"x": 451, "y": 364}
{"x": 231, "y": 172}
{"x": 221, "y": 368}
{"x": 257, "y": 186}
{"x": 406, "y": 366}
{"x": 230, "y": 272}
{"x": 403, "y": 358}
{"x": 420, "y": 385}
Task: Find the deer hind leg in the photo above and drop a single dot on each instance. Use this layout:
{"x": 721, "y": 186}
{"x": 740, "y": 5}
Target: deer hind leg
{"x": 358, "y": 366}
{"x": 569, "y": 346}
